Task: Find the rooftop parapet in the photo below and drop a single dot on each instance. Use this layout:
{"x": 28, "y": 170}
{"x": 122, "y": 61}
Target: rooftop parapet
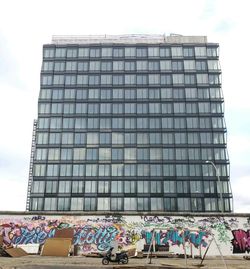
{"x": 127, "y": 39}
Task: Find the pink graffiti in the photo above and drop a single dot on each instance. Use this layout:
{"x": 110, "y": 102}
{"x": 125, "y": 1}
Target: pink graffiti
{"x": 241, "y": 241}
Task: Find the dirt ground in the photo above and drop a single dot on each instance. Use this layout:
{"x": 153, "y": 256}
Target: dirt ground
{"x": 233, "y": 262}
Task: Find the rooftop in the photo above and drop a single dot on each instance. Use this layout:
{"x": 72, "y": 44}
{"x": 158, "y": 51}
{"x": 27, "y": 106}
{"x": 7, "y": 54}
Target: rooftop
{"x": 127, "y": 39}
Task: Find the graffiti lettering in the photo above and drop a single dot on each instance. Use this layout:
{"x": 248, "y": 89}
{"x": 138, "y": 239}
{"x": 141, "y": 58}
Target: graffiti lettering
{"x": 38, "y": 218}
{"x": 176, "y": 237}
{"x": 241, "y": 241}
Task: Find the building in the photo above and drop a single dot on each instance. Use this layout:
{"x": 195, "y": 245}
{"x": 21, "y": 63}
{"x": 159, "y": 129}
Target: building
{"x": 130, "y": 123}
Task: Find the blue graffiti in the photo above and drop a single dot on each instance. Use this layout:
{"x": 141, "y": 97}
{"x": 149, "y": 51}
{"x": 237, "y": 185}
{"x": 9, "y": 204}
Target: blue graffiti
{"x": 176, "y": 237}
{"x": 101, "y": 237}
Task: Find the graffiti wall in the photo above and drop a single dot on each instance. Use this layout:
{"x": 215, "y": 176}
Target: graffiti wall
{"x": 165, "y": 233}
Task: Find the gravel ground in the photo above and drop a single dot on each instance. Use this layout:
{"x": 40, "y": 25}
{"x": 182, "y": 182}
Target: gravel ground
{"x": 41, "y": 262}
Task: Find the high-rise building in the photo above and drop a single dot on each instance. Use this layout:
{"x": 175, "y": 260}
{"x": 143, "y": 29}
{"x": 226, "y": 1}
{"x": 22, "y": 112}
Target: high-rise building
{"x": 130, "y": 123}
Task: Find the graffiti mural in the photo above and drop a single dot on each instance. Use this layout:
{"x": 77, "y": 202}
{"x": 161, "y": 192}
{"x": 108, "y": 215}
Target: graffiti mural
{"x": 241, "y": 241}
{"x": 96, "y": 233}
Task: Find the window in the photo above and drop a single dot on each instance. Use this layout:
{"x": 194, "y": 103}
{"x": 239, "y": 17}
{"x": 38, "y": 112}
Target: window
{"x": 165, "y": 65}
{"x": 60, "y": 52}
{"x": 76, "y": 204}
{"x": 67, "y": 138}
{"x": 89, "y": 204}
{"x": 94, "y": 52}
{"x": 45, "y": 94}
{"x": 195, "y": 187}
{"x": 130, "y": 138}
{"x": 78, "y": 170}
{"x": 105, "y": 138}
{"x": 168, "y": 154}
{"x": 118, "y": 52}
{"x": 188, "y": 52}
{"x": 104, "y": 170}
{"x": 164, "y": 52}
{"x": 91, "y": 170}
{"x": 116, "y": 204}
{"x": 167, "y": 138}
{"x": 117, "y": 138}
{"x": 130, "y": 52}
{"x": 155, "y": 187}
{"x": 142, "y": 187}
{"x": 196, "y": 204}
{"x": 92, "y": 138}
{"x": 117, "y": 154}
{"x": 200, "y": 51}
{"x": 103, "y": 187}
{"x": 66, "y": 170}
{"x": 90, "y": 186}
{"x": 168, "y": 170}
{"x": 50, "y": 204}
{"x": 153, "y": 52}
{"x": 129, "y": 66}
{"x": 47, "y": 66}
{"x": 38, "y": 187}
{"x": 80, "y": 138}
{"x": 42, "y": 138}
{"x": 117, "y": 123}
{"x": 177, "y": 52}
{"x": 92, "y": 154}
{"x": 46, "y": 79}
{"x": 141, "y": 52}
{"x": 104, "y": 154}
{"x": 156, "y": 204}
{"x": 64, "y": 187}
{"x": 129, "y": 154}
{"x": 106, "y": 52}
{"x": 59, "y": 80}
{"x": 83, "y": 66}
{"x": 154, "y": 79}
{"x": 189, "y": 65}
{"x": 63, "y": 204}
{"x": 142, "y": 204}
{"x": 66, "y": 154}
{"x": 143, "y": 154}
{"x": 83, "y": 52}
{"x": 129, "y": 186}
{"x": 155, "y": 170}
{"x": 71, "y": 66}
{"x": 155, "y": 154}
{"x": 117, "y": 187}
{"x": 169, "y": 187}
{"x": 106, "y": 66}
{"x": 41, "y": 154}
{"x": 130, "y": 204}
{"x": 170, "y": 204}
{"x": 94, "y": 66}
{"x": 36, "y": 204}
{"x": 79, "y": 154}
{"x": 211, "y": 204}
{"x": 183, "y": 204}
{"x": 181, "y": 170}
{"x": 142, "y": 170}
{"x": 118, "y": 65}
{"x": 48, "y": 52}
{"x": 178, "y": 79}
{"x": 117, "y": 169}
{"x": 54, "y": 154}
{"x": 51, "y": 187}
{"x": 129, "y": 170}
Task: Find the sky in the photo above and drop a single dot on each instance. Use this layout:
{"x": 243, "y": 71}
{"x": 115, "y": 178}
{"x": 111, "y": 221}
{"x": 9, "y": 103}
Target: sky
{"x": 26, "y": 25}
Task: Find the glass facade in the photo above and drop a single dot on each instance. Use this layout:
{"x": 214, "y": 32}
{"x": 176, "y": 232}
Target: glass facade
{"x": 129, "y": 127}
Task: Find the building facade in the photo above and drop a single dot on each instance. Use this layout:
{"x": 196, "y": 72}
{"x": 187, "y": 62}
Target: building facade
{"x": 130, "y": 123}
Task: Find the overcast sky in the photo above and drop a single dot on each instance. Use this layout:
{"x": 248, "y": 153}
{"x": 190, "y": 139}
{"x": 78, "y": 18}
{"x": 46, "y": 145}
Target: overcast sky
{"x": 26, "y": 25}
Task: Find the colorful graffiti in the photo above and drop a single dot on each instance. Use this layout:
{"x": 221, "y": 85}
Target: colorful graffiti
{"x": 176, "y": 237}
{"x": 241, "y": 241}
{"x": 96, "y": 233}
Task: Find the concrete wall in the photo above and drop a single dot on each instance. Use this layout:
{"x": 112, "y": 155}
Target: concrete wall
{"x": 96, "y": 232}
